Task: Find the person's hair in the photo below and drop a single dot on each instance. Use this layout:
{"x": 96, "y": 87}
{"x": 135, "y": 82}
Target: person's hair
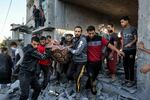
{"x": 111, "y": 24}
{"x": 90, "y": 28}
{"x": 35, "y": 38}
{"x": 19, "y": 40}
{"x": 78, "y": 27}
{"x": 48, "y": 37}
{"x": 42, "y": 38}
{"x": 126, "y": 18}
{"x": 3, "y": 49}
{"x": 13, "y": 44}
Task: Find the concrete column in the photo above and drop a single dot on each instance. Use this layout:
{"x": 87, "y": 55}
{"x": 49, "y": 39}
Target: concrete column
{"x": 50, "y": 13}
{"x": 144, "y": 35}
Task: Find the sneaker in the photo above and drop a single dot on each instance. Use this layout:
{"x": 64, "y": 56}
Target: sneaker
{"x": 77, "y": 97}
{"x": 130, "y": 84}
{"x": 93, "y": 90}
{"x": 124, "y": 82}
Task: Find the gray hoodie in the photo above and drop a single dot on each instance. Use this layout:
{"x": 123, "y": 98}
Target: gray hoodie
{"x": 79, "y": 49}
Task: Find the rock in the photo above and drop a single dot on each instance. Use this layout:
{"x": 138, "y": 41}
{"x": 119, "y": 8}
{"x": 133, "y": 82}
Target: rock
{"x": 61, "y": 98}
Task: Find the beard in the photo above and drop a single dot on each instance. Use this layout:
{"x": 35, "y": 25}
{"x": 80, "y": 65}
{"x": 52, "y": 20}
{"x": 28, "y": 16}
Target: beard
{"x": 110, "y": 31}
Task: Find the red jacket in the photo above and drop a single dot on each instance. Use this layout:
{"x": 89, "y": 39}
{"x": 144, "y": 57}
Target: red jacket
{"x": 41, "y": 49}
{"x": 94, "y": 48}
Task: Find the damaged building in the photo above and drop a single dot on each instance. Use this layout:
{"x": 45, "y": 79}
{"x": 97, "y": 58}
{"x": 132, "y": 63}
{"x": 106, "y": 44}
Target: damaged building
{"x": 64, "y": 15}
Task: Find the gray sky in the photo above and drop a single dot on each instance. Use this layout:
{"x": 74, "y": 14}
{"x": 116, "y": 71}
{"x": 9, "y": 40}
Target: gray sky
{"x": 16, "y": 15}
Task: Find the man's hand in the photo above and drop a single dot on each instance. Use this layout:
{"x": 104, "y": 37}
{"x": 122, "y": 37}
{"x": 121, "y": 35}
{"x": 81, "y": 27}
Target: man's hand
{"x": 128, "y": 45}
{"x": 140, "y": 45}
{"x": 120, "y": 53}
{"x": 145, "y": 69}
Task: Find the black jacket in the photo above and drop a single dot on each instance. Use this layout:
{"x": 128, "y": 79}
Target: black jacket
{"x": 31, "y": 58}
{"x": 6, "y": 65}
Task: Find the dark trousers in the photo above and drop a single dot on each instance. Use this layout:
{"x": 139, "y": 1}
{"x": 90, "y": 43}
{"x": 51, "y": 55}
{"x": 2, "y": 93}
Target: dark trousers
{"x": 75, "y": 72}
{"x": 128, "y": 63}
{"x": 42, "y": 21}
{"x": 65, "y": 67}
{"x": 46, "y": 73}
{"x": 26, "y": 80}
{"x": 93, "y": 69}
{"x": 37, "y": 22}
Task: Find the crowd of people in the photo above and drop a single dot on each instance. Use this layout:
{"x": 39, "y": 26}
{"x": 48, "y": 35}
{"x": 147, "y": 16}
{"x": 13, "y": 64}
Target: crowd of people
{"x": 86, "y": 53}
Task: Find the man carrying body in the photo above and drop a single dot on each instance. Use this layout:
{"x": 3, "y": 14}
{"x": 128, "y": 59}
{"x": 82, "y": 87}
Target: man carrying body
{"x": 27, "y": 74}
{"x": 79, "y": 52}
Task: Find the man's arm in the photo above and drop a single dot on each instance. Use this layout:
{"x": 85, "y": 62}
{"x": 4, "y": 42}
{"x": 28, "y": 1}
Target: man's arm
{"x": 132, "y": 42}
{"x": 106, "y": 43}
{"x": 145, "y": 69}
{"x": 120, "y": 53}
{"x": 21, "y": 57}
{"x": 146, "y": 50}
{"x": 40, "y": 56}
{"x": 79, "y": 48}
{"x": 142, "y": 48}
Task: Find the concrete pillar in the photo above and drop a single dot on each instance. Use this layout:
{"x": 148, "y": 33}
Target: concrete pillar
{"x": 50, "y": 13}
{"x": 144, "y": 35}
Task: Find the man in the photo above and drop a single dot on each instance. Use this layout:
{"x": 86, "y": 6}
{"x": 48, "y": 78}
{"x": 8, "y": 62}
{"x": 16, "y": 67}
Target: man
{"x": 42, "y": 16}
{"x": 95, "y": 44}
{"x": 129, "y": 39}
{"x": 18, "y": 61}
{"x": 6, "y": 66}
{"x": 27, "y": 74}
{"x": 79, "y": 52}
{"x": 13, "y": 46}
{"x": 36, "y": 16}
{"x": 103, "y": 32}
{"x": 111, "y": 54}
{"x": 44, "y": 64}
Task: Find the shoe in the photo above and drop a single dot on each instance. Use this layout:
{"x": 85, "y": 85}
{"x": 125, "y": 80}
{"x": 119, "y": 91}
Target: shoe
{"x": 130, "y": 84}
{"x": 124, "y": 82}
{"x": 113, "y": 78}
{"x": 93, "y": 90}
{"x": 77, "y": 97}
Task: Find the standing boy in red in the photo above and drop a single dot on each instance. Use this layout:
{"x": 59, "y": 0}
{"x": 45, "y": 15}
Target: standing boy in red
{"x": 44, "y": 64}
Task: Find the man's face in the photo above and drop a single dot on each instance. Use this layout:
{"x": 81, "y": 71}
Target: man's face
{"x": 13, "y": 47}
{"x": 91, "y": 34}
{"x": 109, "y": 28}
{"x": 48, "y": 40}
{"x": 68, "y": 37}
{"x": 34, "y": 7}
{"x": 35, "y": 44}
{"x": 124, "y": 23}
{"x": 77, "y": 32}
{"x": 42, "y": 42}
